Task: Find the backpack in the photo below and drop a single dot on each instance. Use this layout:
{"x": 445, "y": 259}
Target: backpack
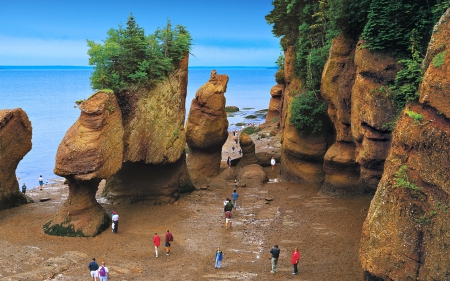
{"x": 102, "y": 271}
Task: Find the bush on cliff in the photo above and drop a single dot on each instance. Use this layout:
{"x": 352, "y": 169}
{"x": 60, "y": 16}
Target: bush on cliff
{"x": 308, "y": 113}
{"x": 128, "y": 59}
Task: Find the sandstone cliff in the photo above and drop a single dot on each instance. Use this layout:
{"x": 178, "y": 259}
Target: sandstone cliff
{"x": 15, "y": 143}
{"x": 405, "y": 235}
{"x": 206, "y": 129}
{"x": 338, "y": 77}
{"x": 301, "y": 156}
{"x": 354, "y": 83}
{"x": 91, "y": 150}
{"x": 154, "y": 166}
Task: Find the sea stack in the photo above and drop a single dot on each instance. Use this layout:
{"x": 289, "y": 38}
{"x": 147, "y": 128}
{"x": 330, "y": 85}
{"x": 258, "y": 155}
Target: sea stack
{"x": 207, "y": 129}
{"x": 154, "y": 158}
{"x": 91, "y": 150}
{"x": 15, "y": 143}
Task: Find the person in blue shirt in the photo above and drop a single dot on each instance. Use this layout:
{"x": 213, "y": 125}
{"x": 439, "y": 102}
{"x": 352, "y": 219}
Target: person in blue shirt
{"x": 234, "y": 196}
{"x": 275, "y": 255}
{"x": 219, "y": 256}
{"x": 93, "y": 266}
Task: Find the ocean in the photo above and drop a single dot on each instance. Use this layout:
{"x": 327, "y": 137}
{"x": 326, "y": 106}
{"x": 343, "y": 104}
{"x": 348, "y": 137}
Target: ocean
{"x": 48, "y": 95}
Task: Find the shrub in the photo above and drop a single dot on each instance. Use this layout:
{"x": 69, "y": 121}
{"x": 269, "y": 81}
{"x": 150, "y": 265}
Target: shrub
{"x": 401, "y": 180}
{"x": 308, "y": 113}
{"x": 439, "y": 59}
{"x": 414, "y": 115}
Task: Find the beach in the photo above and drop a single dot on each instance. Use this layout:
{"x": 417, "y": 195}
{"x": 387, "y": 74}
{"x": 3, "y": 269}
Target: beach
{"x": 325, "y": 229}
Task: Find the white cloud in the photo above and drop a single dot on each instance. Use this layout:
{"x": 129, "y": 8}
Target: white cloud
{"x": 31, "y": 51}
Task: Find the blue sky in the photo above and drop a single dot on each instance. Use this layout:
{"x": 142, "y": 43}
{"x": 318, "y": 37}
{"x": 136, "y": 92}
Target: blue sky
{"x": 50, "y": 32}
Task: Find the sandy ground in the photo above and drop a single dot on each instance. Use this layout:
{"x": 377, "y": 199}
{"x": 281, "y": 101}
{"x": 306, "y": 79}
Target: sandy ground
{"x": 325, "y": 229}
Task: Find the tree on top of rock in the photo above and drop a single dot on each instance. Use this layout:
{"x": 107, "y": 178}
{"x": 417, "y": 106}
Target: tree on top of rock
{"x": 129, "y": 60}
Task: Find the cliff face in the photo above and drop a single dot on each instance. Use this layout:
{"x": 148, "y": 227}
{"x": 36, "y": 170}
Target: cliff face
{"x": 301, "y": 156}
{"x": 354, "y": 83}
{"x": 91, "y": 150}
{"x": 154, "y": 168}
{"x": 15, "y": 143}
{"x": 338, "y": 78}
{"x": 405, "y": 233}
{"x": 206, "y": 129}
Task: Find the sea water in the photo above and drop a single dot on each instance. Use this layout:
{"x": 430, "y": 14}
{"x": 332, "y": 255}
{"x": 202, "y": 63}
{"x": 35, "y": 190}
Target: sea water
{"x": 48, "y": 95}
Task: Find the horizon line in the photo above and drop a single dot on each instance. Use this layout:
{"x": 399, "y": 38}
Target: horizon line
{"x": 88, "y": 66}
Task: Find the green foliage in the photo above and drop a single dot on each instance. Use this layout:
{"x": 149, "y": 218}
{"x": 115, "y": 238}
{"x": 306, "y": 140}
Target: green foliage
{"x": 407, "y": 81}
{"x": 401, "y": 181}
{"x": 414, "y": 115}
{"x": 390, "y": 24}
{"x": 251, "y": 116}
{"x": 425, "y": 219}
{"x": 307, "y": 113}
{"x": 128, "y": 59}
{"x": 63, "y": 229}
{"x": 250, "y": 130}
{"x": 439, "y": 59}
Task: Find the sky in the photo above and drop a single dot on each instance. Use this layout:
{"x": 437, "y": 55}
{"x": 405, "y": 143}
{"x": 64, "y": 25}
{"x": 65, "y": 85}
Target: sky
{"x": 54, "y": 32}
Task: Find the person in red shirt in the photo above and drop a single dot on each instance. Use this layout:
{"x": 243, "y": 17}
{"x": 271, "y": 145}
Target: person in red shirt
{"x": 168, "y": 238}
{"x": 295, "y": 259}
{"x": 156, "y": 242}
{"x": 228, "y": 221}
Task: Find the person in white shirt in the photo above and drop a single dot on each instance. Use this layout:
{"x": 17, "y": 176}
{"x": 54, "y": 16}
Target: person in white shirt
{"x": 41, "y": 182}
{"x": 103, "y": 272}
{"x": 115, "y": 220}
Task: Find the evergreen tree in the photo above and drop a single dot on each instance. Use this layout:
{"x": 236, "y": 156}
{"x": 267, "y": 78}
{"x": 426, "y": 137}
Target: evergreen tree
{"x": 128, "y": 59}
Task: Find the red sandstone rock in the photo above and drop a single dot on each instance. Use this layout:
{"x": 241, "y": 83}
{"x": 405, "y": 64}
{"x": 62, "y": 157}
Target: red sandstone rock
{"x": 91, "y": 150}
{"x": 371, "y": 110}
{"x": 248, "y": 151}
{"x": 154, "y": 167}
{"x": 206, "y": 129}
{"x": 93, "y": 146}
{"x": 15, "y": 142}
{"x": 405, "y": 235}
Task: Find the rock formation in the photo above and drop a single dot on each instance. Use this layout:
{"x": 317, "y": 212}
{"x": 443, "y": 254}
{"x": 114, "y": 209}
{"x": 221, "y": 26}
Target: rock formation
{"x": 405, "y": 235}
{"x": 248, "y": 151}
{"x": 154, "y": 167}
{"x": 206, "y": 129}
{"x": 252, "y": 176}
{"x": 91, "y": 150}
{"x": 354, "y": 84}
{"x": 301, "y": 156}
{"x": 275, "y": 104}
{"x": 372, "y": 110}
{"x": 341, "y": 168}
{"x": 15, "y": 142}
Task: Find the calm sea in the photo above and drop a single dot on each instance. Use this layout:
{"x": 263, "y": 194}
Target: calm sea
{"x": 48, "y": 95}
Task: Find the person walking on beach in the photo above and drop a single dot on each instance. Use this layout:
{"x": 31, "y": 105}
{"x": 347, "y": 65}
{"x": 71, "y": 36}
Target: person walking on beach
{"x": 24, "y": 188}
{"x": 229, "y": 161}
{"x": 228, "y": 205}
{"x": 295, "y": 259}
{"x": 219, "y": 257}
{"x": 115, "y": 220}
{"x": 168, "y": 238}
{"x": 275, "y": 255}
{"x": 93, "y": 267}
{"x": 103, "y": 272}
{"x": 234, "y": 196}
{"x": 272, "y": 162}
{"x": 228, "y": 221}
{"x": 41, "y": 182}
{"x": 156, "y": 242}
